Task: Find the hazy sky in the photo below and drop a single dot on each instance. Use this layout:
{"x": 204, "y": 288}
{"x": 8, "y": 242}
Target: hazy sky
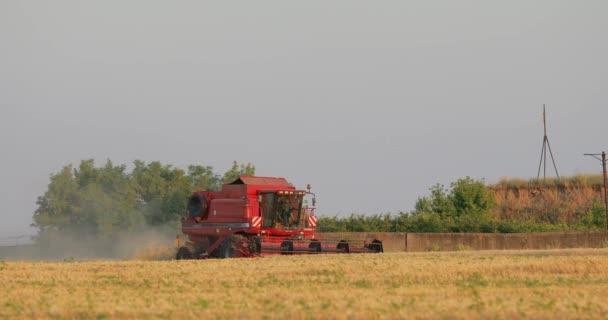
{"x": 372, "y": 102}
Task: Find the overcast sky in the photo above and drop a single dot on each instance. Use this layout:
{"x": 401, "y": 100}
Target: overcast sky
{"x": 372, "y": 102}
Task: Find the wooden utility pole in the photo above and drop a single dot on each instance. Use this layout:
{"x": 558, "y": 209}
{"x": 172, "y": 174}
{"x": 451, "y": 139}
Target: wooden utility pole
{"x": 603, "y": 160}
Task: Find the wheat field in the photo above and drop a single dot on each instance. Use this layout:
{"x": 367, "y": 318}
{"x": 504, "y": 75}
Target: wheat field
{"x": 510, "y": 284}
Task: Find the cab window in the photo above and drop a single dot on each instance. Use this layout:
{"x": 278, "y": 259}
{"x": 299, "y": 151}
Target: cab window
{"x": 282, "y": 211}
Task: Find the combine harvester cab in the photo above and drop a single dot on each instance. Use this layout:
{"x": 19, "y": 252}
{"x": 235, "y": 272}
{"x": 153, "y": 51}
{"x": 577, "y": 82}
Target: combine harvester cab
{"x": 255, "y": 216}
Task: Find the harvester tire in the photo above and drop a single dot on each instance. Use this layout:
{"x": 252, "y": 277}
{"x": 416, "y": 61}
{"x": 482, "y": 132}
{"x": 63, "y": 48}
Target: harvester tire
{"x": 257, "y": 245}
{"x": 183, "y": 253}
{"x": 344, "y": 246}
{"x": 226, "y": 249}
{"x": 287, "y": 248}
{"x": 376, "y": 245}
{"x": 314, "y": 246}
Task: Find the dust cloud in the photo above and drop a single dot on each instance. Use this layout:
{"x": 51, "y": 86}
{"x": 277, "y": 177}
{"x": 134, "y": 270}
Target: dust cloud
{"x": 148, "y": 244}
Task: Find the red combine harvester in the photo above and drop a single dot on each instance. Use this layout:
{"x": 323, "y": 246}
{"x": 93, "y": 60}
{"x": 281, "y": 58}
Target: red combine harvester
{"x": 255, "y": 216}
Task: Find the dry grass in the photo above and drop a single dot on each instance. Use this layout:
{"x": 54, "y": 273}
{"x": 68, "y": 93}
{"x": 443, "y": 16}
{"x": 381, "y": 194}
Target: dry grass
{"x": 572, "y": 181}
{"x": 564, "y": 201}
{"x": 514, "y": 284}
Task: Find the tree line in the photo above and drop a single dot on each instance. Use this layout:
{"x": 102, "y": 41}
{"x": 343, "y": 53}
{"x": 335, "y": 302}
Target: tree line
{"x": 468, "y": 205}
{"x": 103, "y": 201}
{"x": 100, "y": 202}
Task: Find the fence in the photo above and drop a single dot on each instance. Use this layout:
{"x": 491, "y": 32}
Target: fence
{"x": 16, "y": 240}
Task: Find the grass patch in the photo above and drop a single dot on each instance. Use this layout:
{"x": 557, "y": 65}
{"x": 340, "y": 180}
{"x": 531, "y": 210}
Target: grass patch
{"x": 574, "y": 181}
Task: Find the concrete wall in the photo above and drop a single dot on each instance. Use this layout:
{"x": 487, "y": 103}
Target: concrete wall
{"x": 415, "y": 242}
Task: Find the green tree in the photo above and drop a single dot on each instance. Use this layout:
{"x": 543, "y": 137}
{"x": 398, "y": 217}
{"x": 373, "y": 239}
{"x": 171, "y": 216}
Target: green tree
{"x": 88, "y": 201}
{"x": 465, "y": 207}
{"x": 59, "y": 207}
{"x": 162, "y": 191}
{"x": 105, "y": 201}
{"x": 238, "y": 170}
{"x": 438, "y": 202}
{"x": 203, "y": 178}
{"x": 471, "y": 197}
{"x": 595, "y": 217}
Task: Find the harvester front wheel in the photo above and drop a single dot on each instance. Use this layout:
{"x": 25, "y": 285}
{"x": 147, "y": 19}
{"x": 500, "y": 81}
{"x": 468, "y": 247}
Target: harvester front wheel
{"x": 257, "y": 245}
{"x": 236, "y": 246}
{"x": 183, "y": 253}
{"x": 226, "y": 249}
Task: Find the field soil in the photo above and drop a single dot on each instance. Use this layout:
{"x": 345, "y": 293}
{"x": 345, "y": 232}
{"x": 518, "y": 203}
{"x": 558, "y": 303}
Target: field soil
{"x": 456, "y": 285}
